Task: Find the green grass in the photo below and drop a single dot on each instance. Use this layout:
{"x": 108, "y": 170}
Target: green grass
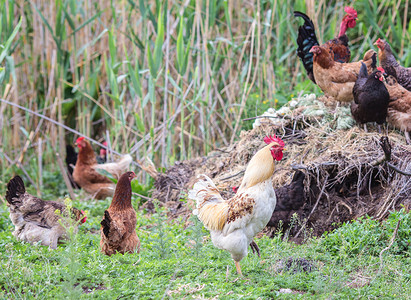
{"x": 177, "y": 261}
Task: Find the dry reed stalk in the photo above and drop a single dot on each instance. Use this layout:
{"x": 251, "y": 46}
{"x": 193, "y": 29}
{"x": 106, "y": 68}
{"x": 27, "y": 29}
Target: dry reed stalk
{"x": 40, "y": 165}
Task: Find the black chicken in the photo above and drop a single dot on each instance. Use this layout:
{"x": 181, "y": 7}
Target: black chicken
{"x": 371, "y": 97}
{"x": 71, "y": 159}
{"x": 290, "y": 198}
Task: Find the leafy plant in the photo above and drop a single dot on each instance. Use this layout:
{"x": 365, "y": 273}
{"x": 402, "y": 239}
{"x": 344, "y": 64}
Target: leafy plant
{"x": 353, "y": 238}
{"x": 160, "y": 240}
{"x": 367, "y": 236}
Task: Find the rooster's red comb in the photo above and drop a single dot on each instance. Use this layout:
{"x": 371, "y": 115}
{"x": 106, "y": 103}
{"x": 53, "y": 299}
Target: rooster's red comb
{"x": 80, "y": 139}
{"x": 381, "y": 69}
{"x": 273, "y": 139}
{"x": 351, "y": 11}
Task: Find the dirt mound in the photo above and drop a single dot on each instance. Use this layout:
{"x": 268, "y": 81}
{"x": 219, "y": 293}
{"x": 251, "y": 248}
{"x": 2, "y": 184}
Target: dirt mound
{"x": 341, "y": 173}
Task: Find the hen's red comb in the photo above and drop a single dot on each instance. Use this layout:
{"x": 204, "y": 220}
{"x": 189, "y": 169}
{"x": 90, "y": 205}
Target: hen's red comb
{"x": 104, "y": 143}
{"x": 379, "y": 40}
{"x": 351, "y": 11}
{"x": 273, "y": 139}
{"x": 381, "y": 69}
{"x": 80, "y": 139}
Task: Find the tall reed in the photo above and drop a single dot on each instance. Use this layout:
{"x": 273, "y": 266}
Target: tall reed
{"x": 168, "y": 80}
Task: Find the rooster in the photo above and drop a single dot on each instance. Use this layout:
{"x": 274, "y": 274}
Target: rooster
{"x": 118, "y": 227}
{"x": 391, "y": 66}
{"x": 234, "y": 223}
{"x": 36, "y": 220}
{"x": 85, "y": 172}
{"x": 336, "y": 79}
{"x": 399, "y": 108}
{"x": 370, "y": 97}
{"x": 338, "y": 47}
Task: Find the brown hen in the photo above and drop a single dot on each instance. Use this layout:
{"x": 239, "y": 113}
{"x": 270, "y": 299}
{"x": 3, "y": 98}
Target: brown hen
{"x": 118, "y": 227}
{"x": 399, "y": 108}
{"x": 337, "y": 79}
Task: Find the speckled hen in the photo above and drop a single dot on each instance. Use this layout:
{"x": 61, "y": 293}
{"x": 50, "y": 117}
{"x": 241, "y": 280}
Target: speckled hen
{"x": 36, "y": 220}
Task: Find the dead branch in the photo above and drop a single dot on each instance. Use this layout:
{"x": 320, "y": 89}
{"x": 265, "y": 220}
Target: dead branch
{"x": 398, "y": 170}
{"x": 386, "y": 147}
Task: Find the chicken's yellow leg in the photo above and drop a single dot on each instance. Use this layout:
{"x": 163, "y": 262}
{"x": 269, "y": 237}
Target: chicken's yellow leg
{"x": 237, "y": 265}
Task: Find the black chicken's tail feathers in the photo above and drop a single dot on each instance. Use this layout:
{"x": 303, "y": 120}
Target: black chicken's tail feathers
{"x": 363, "y": 71}
{"x": 106, "y": 223}
{"x": 15, "y": 188}
{"x": 306, "y": 40}
{"x": 298, "y": 176}
{"x": 374, "y": 61}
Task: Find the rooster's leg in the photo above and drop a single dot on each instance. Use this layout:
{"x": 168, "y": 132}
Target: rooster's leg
{"x": 255, "y": 248}
{"x": 407, "y": 137}
{"x": 379, "y": 128}
{"x": 365, "y": 127}
{"x": 237, "y": 265}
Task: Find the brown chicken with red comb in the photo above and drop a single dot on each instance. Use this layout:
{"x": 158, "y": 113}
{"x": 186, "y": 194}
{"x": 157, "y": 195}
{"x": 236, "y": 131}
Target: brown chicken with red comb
{"x": 118, "y": 227}
{"x": 85, "y": 172}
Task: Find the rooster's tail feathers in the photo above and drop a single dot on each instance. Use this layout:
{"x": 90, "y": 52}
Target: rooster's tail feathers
{"x": 211, "y": 208}
{"x": 306, "y": 40}
{"x": 15, "y": 188}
